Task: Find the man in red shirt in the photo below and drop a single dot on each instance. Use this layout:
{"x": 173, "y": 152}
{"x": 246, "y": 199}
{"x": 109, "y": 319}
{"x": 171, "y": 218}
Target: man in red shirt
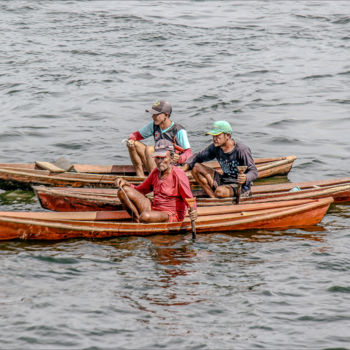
{"x": 169, "y": 184}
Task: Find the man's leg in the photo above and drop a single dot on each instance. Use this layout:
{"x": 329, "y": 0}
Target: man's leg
{"x": 150, "y": 163}
{"x": 154, "y": 216}
{"x": 139, "y": 206}
{"x": 137, "y": 156}
{"x": 204, "y": 177}
{"x": 134, "y": 201}
{"x": 224, "y": 191}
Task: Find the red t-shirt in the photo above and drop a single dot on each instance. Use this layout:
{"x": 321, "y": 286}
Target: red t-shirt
{"x": 169, "y": 193}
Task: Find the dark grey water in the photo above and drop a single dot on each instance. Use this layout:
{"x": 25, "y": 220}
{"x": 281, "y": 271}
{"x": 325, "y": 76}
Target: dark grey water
{"x": 75, "y": 77}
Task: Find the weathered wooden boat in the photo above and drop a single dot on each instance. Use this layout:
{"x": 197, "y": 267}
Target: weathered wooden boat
{"x": 96, "y": 199}
{"x": 84, "y": 175}
{"x": 57, "y": 226}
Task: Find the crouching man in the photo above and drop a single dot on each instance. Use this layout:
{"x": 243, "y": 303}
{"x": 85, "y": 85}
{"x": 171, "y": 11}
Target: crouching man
{"x": 230, "y": 154}
{"x": 160, "y": 128}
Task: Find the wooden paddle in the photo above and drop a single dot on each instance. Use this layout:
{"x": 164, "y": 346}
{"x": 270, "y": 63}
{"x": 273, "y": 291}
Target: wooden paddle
{"x": 241, "y": 169}
{"x": 191, "y": 202}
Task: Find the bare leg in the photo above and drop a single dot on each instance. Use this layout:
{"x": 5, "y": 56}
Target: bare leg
{"x": 205, "y": 178}
{"x": 224, "y": 191}
{"x": 141, "y": 151}
{"x": 139, "y": 206}
{"x": 135, "y": 202}
{"x": 154, "y": 216}
{"x": 150, "y": 163}
{"x": 135, "y": 158}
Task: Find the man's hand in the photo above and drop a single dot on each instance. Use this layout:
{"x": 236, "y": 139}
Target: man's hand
{"x": 193, "y": 214}
{"x": 130, "y": 143}
{"x": 242, "y": 178}
{"x": 185, "y": 167}
{"x": 175, "y": 157}
{"x": 120, "y": 182}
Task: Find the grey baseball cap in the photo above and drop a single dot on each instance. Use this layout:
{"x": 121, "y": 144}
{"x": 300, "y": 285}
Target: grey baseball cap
{"x": 161, "y": 147}
{"x": 160, "y": 107}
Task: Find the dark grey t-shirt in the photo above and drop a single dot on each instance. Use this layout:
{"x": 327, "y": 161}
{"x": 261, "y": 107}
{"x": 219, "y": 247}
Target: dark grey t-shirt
{"x": 240, "y": 155}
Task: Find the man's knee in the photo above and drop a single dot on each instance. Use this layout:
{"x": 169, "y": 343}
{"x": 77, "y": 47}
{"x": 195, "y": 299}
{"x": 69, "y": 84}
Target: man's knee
{"x": 120, "y": 194}
{"x": 222, "y": 192}
{"x": 136, "y": 145}
{"x": 145, "y": 217}
{"x": 140, "y": 147}
{"x": 196, "y": 168}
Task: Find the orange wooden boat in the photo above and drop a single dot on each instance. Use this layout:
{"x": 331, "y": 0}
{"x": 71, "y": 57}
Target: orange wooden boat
{"x": 96, "y": 199}
{"x": 58, "y": 226}
{"x": 100, "y": 176}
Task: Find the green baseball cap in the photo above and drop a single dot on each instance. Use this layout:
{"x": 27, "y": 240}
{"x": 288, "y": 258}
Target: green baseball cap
{"x": 219, "y": 127}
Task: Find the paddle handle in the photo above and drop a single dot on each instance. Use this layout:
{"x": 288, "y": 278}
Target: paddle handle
{"x": 191, "y": 202}
{"x": 241, "y": 170}
{"x": 193, "y": 224}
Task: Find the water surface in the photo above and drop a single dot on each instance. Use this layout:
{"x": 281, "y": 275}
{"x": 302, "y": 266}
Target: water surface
{"x": 75, "y": 78}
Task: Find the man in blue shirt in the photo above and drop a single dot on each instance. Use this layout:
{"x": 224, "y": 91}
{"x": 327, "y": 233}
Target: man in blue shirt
{"x": 160, "y": 128}
{"x": 229, "y": 154}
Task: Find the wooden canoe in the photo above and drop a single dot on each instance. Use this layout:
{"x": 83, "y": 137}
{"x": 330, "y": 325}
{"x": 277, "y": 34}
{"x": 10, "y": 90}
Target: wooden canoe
{"x": 25, "y": 175}
{"x": 96, "y": 199}
{"x": 58, "y": 226}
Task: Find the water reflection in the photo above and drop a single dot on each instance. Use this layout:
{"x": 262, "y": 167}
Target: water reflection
{"x": 173, "y": 270}
{"x": 340, "y": 210}
{"x": 261, "y": 236}
{"x": 172, "y": 250}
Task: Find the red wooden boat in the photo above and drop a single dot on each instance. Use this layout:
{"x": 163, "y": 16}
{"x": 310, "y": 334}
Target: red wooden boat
{"x": 95, "y": 199}
{"x": 84, "y": 175}
{"x": 58, "y": 226}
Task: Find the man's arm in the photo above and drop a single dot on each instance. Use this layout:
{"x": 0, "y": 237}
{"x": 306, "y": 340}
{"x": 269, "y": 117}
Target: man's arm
{"x": 182, "y": 141}
{"x": 135, "y": 136}
{"x": 184, "y": 185}
{"x": 147, "y": 185}
{"x": 251, "y": 172}
{"x": 203, "y": 156}
{"x": 143, "y": 133}
{"x": 186, "y": 154}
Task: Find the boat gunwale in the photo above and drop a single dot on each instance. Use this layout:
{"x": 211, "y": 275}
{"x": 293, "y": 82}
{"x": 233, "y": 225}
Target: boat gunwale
{"x": 156, "y": 228}
{"x": 263, "y": 197}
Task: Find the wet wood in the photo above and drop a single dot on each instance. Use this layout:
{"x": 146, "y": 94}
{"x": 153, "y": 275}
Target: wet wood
{"x": 49, "y": 166}
{"x": 89, "y": 199}
{"x": 280, "y": 215}
{"x": 25, "y": 175}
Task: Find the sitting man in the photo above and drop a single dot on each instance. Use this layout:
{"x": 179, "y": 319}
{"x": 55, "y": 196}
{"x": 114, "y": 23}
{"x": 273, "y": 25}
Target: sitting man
{"x": 169, "y": 184}
{"x": 161, "y": 128}
{"x": 229, "y": 154}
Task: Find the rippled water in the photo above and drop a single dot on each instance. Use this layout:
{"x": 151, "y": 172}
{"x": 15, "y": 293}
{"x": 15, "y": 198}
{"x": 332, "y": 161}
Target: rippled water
{"x": 75, "y": 78}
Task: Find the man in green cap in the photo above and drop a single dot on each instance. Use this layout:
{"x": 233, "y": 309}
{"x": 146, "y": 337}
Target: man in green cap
{"x": 230, "y": 154}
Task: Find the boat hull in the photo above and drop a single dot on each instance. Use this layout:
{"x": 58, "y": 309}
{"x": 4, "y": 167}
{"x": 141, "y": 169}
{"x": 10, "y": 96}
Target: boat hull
{"x": 51, "y": 226}
{"x": 26, "y": 175}
{"x": 71, "y": 199}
